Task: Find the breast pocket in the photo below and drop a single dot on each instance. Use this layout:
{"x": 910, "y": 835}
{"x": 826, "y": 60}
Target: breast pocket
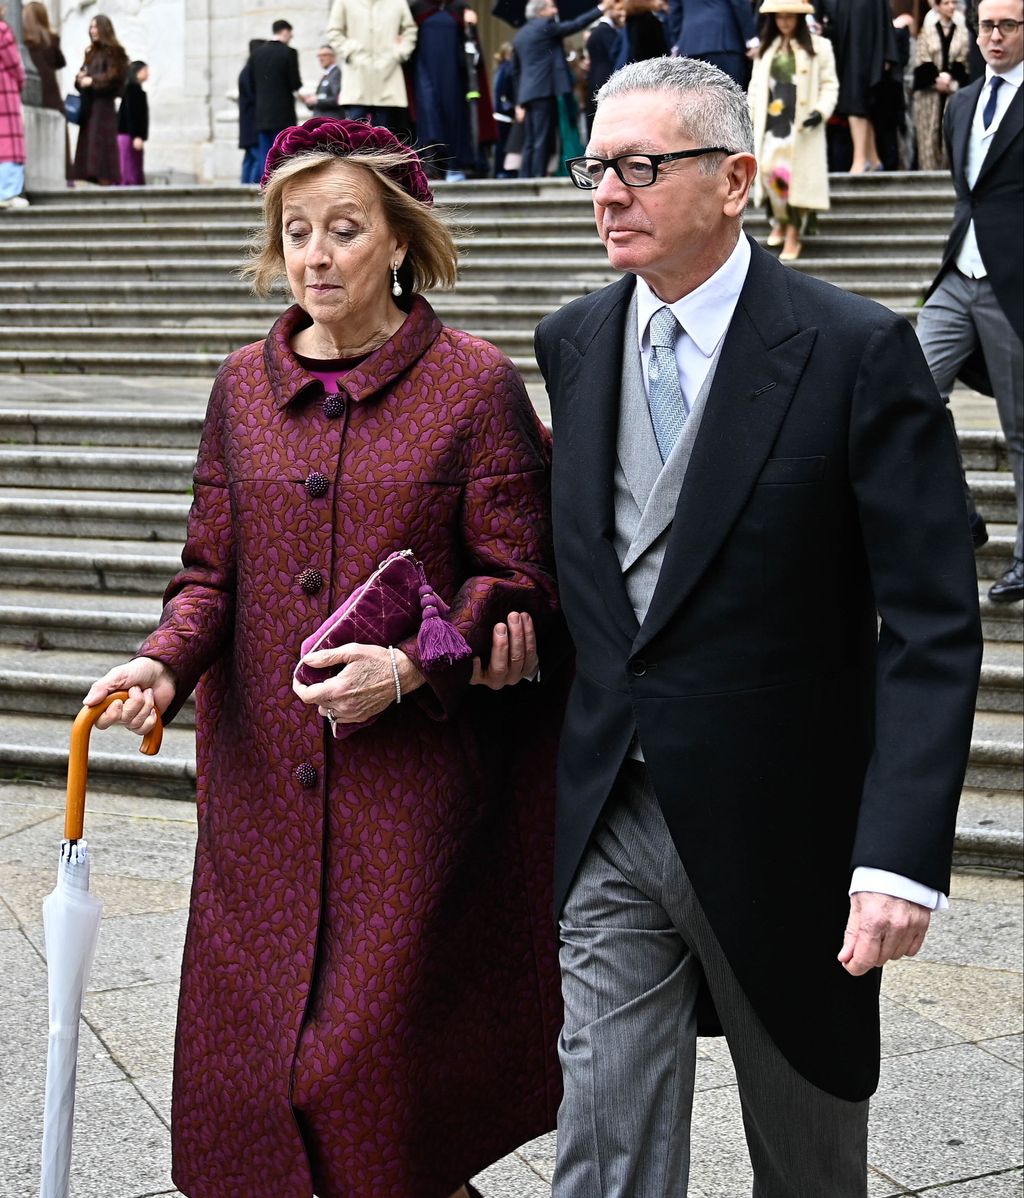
{"x": 780, "y": 472}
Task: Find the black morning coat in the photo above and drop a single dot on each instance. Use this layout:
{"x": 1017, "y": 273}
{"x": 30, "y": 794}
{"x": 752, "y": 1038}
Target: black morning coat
{"x": 275, "y": 74}
{"x": 994, "y": 202}
{"x": 787, "y": 740}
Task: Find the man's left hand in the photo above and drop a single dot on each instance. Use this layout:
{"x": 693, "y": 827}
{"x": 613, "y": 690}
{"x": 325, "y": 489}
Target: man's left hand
{"x": 881, "y": 929}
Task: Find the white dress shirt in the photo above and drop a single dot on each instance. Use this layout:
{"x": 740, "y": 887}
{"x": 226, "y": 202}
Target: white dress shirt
{"x": 968, "y": 261}
{"x": 705, "y": 315}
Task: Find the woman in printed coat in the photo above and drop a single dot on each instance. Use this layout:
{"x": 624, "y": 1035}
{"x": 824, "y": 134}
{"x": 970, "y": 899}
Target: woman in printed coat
{"x": 792, "y": 93}
{"x": 12, "y": 122}
{"x": 369, "y": 1002}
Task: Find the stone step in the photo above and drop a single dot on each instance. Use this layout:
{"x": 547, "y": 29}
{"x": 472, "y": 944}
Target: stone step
{"x": 989, "y": 831}
{"x": 27, "y": 513}
{"x": 35, "y": 748}
{"x": 1000, "y": 622}
{"x": 993, "y": 558}
{"x": 1002, "y": 678}
{"x": 491, "y": 219}
{"x": 994, "y": 496}
{"x": 106, "y": 469}
{"x": 76, "y": 428}
{"x": 983, "y": 449}
{"x": 997, "y": 752}
{"x": 96, "y": 566}
{"x": 53, "y": 682}
{"x": 50, "y": 618}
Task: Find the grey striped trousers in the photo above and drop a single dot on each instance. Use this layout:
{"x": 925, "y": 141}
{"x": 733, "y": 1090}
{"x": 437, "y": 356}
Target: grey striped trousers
{"x": 635, "y": 945}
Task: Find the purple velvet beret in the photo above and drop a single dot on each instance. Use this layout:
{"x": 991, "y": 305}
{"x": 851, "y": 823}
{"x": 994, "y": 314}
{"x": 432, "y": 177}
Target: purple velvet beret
{"x": 348, "y": 137}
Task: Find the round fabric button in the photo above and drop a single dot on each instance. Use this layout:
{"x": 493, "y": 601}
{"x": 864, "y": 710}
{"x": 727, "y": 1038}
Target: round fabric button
{"x": 317, "y": 484}
{"x": 638, "y": 667}
{"x": 306, "y": 775}
{"x": 311, "y": 581}
{"x": 334, "y": 406}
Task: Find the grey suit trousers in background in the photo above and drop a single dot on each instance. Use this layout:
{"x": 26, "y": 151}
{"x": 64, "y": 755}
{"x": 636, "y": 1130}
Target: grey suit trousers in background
{"x": 958, "y": 315}
{"x": 635, "y": 946}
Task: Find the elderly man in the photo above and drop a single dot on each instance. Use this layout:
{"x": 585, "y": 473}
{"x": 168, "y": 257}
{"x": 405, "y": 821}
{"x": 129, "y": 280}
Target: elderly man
{"x": 324, "y": 101}
{"x": 976, "y": 305}
{"x": 764, "y": 559}
{"x": 541, "y": 75}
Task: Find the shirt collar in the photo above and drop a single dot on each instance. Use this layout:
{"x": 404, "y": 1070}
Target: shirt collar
{"x": 1014, "y": 76}
{"x": 706, "y": 312}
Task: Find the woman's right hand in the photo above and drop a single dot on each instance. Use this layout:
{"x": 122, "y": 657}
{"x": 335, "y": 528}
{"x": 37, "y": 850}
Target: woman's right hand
{"x": 150, "y": 686}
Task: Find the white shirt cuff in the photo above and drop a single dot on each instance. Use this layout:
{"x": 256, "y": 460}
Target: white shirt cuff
{"x": 754, "y": 41}
{"x": 881, "y": 881}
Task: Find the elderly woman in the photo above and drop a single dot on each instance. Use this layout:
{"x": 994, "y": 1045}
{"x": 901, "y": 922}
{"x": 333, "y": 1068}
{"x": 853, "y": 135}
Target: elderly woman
{"x": 369, "y": 1001}
{"x": 940, "y": 68}
{"x": 792, "y": 93}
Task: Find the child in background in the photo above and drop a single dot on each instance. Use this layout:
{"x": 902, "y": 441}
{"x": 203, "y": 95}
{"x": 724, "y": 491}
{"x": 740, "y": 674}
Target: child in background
{"x": 133, "y": 125}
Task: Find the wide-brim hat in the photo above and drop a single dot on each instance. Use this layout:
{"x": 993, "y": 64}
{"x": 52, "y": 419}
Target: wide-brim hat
{"x": 781, "y": 6}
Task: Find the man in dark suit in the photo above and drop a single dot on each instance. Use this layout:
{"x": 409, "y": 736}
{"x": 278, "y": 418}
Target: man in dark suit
{"x": 764, "y": 560}
{"x": 721, "y": 32}
{"x": 541, "y": 75}
{"x": 603, "y": 44}
{"x": 276, "y": 79}
{"x": 974, "y": 314}
{"x": 324, "y": 101}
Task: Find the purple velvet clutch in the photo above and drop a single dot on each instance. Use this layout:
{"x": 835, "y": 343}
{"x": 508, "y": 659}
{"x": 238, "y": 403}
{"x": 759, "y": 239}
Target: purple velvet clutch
{"x": 392, "y": 604}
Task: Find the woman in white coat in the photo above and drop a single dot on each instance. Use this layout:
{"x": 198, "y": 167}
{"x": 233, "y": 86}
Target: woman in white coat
{"x": 793, "y": 90}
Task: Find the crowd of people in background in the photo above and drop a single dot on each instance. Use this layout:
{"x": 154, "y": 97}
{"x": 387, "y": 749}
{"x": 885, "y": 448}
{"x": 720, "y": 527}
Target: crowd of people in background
{"x": 882, "y": 72}
{"x": 110, "y": 106}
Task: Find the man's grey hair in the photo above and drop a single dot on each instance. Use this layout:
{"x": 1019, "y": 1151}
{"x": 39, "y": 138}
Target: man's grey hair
{"x": 712, "y": 109}
{"x": 534, "y": 8}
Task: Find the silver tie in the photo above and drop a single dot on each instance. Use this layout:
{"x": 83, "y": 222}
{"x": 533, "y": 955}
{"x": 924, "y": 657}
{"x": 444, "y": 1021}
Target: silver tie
{"x": 665, "y": 397}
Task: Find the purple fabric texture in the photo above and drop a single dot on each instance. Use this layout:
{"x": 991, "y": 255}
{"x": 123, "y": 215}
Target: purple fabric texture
{"x": 369, "y": 1000}
{"x": 347, "y": 137}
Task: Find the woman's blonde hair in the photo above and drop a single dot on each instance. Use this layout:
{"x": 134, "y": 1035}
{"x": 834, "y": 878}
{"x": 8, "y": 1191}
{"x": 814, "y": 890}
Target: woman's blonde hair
{"x": 431, "y": 260}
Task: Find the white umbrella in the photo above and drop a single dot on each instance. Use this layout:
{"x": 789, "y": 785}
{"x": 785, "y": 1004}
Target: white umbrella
{"x": 71, "y": 924}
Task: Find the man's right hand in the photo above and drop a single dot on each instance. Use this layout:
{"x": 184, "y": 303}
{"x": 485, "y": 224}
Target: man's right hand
{"x": 513, "y": 654}
{"x": 150, "y": 686}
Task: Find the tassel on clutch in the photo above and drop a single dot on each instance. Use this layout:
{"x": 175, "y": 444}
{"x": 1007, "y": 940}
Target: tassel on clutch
{"x": 393, "y": 603}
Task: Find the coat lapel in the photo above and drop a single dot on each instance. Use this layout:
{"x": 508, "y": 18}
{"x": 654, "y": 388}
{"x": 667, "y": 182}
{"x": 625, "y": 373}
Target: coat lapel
{"x": 763, "y": 359}
{"x": 961, "y": 131}
{"x": 590, "y": 386}
{"x": 1009, "y": 127}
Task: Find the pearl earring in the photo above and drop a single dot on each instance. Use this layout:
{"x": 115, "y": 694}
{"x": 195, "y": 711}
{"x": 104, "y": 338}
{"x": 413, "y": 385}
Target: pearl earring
{"x": 396, "y": 287}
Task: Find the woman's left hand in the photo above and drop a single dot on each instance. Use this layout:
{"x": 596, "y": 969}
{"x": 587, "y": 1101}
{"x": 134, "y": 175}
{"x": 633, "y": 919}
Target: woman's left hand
{"x": 364, "y": 685}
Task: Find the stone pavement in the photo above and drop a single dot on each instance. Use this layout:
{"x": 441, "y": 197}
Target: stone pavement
{"x": 946, "y": 1121}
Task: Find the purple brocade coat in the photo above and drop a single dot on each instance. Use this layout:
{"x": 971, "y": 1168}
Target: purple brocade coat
{"x": 369, "y": 1001}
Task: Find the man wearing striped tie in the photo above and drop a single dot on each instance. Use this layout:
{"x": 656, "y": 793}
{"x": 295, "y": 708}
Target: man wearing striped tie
{"x": 972, "y": 323}
{"x": 764, "y": 559}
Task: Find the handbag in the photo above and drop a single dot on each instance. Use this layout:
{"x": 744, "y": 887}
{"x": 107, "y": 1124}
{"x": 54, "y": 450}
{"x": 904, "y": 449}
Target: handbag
{"x": 392, "y": 604}
{"x": 73, "y": 108}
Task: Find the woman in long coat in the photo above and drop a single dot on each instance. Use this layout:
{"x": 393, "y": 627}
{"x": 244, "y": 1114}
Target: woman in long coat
{"x": 940, "y": 68}
{"x": 44, "y": 48}
{"x": 100, "y": 81}
{"x": 792, "y": 93}
{"x": 369, "y": 1002}
{"x": 12, "y": 122}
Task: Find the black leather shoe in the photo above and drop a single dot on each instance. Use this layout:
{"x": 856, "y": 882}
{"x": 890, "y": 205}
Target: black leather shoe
{"x": 1010, "y": 587}
{"x": 979, "y": 533}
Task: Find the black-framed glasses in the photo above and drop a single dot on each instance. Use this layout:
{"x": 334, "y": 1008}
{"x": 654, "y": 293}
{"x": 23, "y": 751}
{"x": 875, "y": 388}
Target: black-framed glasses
{"x": 635, "y": 170}
{"x": 1006, "y": 28}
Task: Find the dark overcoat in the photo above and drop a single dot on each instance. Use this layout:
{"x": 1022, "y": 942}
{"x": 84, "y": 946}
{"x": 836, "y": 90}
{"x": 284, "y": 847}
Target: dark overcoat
{"x": 369, "y": 999}
{"x": 788, "y": 741}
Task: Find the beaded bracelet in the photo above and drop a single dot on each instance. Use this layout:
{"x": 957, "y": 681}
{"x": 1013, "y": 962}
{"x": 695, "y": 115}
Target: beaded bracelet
{"x": 394, "y": 672}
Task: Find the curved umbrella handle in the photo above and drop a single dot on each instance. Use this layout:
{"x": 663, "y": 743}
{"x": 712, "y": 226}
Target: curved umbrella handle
{"x": 78, "y": 760}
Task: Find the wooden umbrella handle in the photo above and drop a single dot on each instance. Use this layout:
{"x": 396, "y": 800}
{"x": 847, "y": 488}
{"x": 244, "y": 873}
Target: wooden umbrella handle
{"x": 78, "y": 760}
